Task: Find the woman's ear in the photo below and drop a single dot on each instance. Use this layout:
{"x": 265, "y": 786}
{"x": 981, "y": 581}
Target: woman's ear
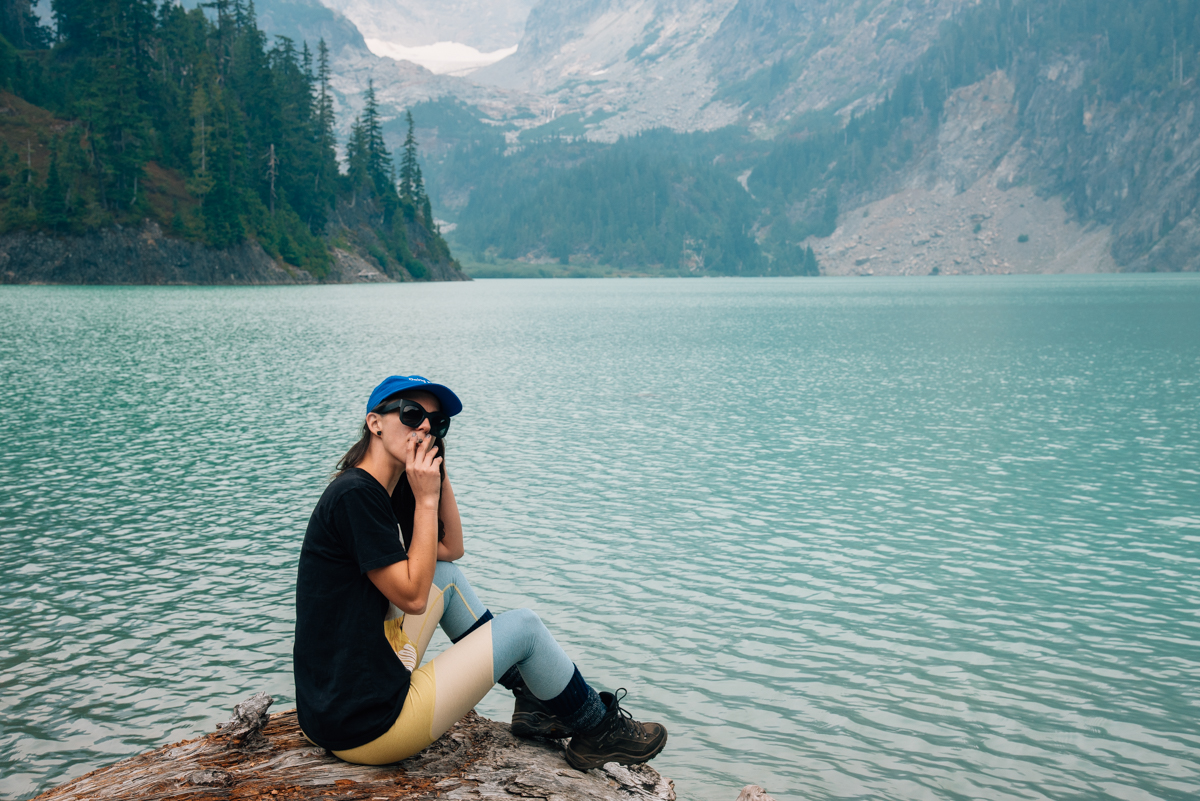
{"x": 375, "y": 423}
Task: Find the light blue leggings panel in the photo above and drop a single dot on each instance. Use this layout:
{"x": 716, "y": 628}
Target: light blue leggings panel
{"x": 462, "y": 606}
{"x": 519, "y": 637}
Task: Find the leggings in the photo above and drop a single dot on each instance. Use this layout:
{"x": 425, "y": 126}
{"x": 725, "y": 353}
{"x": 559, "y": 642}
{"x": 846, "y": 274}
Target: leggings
{"x": 448, "y": 687}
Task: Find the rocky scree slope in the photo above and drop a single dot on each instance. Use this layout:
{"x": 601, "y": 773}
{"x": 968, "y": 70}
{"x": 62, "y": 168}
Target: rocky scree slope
{"x": 1027, "y": 171}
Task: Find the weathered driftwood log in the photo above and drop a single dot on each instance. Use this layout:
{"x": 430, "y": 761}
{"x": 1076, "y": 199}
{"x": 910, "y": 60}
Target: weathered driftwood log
{"x": 258, "y": 755}
{"x": 752, "y": 792}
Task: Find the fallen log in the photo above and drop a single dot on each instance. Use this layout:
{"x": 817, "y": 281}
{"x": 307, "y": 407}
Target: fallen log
{"x": 262, "y": 756}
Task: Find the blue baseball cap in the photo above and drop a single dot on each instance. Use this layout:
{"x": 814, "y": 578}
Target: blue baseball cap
{"x": 451, "y": 405}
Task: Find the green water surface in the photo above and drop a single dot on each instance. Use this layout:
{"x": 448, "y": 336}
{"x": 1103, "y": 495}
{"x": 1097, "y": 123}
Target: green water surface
{"x": 848, "y": 539}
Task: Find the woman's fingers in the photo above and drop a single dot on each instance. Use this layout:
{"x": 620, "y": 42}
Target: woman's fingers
{"x": 422, "y": 467}
{"x": 410, "y": 451}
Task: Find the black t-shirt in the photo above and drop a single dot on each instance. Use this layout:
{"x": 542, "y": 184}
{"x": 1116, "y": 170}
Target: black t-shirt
{"x": 350, "y": 686}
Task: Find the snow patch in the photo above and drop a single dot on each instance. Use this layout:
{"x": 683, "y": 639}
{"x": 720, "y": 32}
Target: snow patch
{"x": 443, "y": 58}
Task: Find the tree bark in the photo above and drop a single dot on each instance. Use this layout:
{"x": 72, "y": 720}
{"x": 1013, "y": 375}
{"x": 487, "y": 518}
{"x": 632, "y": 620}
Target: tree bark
{"x": 263, "y": 756}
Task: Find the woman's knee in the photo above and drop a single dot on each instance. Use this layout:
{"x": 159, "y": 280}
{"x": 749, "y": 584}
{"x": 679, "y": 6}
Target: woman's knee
{"x": 527, "y": 619}
{"x": 447, "y": 573}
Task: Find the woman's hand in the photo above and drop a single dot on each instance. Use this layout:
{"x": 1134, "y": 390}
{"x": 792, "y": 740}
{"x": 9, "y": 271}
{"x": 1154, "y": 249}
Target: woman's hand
{"x": 423, "y": 471}
{"x": 406, "y": 583}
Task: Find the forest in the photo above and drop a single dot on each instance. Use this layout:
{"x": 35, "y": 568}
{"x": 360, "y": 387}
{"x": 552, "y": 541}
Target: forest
{"x": 192, "y": 118}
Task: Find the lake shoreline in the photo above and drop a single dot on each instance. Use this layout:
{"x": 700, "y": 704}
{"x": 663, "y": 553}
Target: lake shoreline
{"x": 147, "y": 256}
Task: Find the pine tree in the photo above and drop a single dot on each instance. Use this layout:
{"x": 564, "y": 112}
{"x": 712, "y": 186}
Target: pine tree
{"x": 358, "y": 173}
{"x": 325, "y": 171}
{"x": 410, "y": 171}
{"x": 810, "y": 263}
{"x": 54, "y": 198}
{"x": 201, "y": 182}
{"x": 379, "y": 161}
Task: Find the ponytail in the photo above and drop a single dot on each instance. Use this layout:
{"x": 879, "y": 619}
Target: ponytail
{"x": 357, "y": 452}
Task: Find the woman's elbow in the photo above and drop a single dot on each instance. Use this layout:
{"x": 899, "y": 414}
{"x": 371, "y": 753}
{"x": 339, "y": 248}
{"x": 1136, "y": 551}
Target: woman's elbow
{"x": 414, "y": 608}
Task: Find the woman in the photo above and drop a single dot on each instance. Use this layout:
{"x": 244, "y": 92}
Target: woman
{"x": 377, "y": 574}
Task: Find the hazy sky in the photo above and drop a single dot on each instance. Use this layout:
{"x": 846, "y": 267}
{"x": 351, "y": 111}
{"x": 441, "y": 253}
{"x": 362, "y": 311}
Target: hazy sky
{"x": 485, "y": 25}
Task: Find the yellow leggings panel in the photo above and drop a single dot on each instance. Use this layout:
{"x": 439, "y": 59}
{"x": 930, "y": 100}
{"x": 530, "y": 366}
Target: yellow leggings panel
{"x": 441, "y": 692}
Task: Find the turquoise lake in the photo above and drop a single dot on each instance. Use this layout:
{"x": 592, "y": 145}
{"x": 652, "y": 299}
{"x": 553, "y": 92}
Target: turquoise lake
{"x": 848, "y": 539}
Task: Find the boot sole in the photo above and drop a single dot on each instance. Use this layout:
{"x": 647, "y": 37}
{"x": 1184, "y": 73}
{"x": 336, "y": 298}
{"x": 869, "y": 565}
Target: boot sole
{"x": 582, "y": 763}
{"x": 534, "y": 724}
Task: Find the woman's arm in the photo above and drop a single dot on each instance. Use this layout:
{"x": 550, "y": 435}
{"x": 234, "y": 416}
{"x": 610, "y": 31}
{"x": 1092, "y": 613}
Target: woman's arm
{"x": 406, "y": 583}
{"x": 451, "y": 546}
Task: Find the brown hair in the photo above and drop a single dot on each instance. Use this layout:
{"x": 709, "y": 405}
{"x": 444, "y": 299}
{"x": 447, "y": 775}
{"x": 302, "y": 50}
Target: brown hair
{"x": 357, "y": 452}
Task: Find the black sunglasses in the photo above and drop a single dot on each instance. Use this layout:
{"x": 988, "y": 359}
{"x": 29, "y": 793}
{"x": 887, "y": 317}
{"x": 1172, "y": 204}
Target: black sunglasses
{"x": 412, "y": 413}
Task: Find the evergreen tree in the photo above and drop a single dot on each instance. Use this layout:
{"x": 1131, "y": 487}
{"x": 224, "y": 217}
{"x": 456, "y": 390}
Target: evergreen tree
{"x": 21, "y": 26}
{"x": 324, "y": 169}
{"x": 410, "y": 170}
{"x": 358, "y": 173}
{"x": 810, "y": 263}
{"x": 201, "y": 181}
{"x": 379, "y": 161}
{"x": 54, "y": 198}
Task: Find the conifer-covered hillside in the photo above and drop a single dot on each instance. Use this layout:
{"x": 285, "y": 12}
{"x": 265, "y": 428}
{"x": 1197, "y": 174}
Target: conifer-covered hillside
{"x": 130, "y": 111}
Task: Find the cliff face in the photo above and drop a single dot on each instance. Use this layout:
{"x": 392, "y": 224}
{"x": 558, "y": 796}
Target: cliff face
{"x": 631, "y": 64}
{"x": 142, "y": 255}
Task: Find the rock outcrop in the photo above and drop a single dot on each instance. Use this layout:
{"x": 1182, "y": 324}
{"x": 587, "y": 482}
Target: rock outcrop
{"x": 144, "y": 255}
{"x": 257, "y": 755}
{"x": 423, "y": 255}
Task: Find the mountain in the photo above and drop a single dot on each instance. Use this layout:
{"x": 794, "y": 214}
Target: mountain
{"x": 622, "y": 65}
{"x": 398, "y": 84}
{"x": 702, "y": 64}
{"x": 887, "y": 136}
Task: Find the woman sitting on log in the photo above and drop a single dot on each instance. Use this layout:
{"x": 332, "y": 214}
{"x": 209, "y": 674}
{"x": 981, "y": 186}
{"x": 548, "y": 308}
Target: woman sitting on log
{"x": 377, "y": 574}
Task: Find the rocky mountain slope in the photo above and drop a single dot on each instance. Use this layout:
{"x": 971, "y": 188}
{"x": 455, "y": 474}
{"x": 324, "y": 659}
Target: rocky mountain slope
{"x": 1032, "y": 170}
{"x": 625, "y": 65}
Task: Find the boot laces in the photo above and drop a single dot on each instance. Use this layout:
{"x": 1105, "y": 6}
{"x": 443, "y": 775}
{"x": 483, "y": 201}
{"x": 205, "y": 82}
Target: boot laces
{"x": 625, "y": 724}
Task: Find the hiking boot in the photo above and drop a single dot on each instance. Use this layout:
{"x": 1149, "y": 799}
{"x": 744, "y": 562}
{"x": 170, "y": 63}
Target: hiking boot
{"x": 531, "y": 718}
{"x": 619, "y": 738}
